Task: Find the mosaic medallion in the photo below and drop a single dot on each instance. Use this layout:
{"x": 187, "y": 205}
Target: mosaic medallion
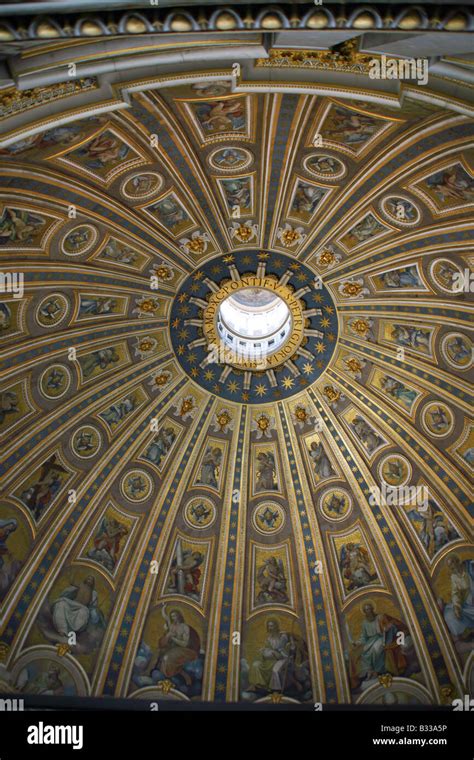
{"x": 437, "y": 419}
{"x": 457, "y": 350}
{"x": 324, "y": 166}
{"x": 268, "y": 517}
{"x": 55, "y": 381}
{"x": 199, "y": 513}
{"x": 446, "y": 275}
{"x": 79, "y": 240}
{"x": 230, "y": 159}
{"x": 136, "y": 485}
{"x": 400, "y": 210}
{"x": 86, "y": 442}
{"x": 142, "y": 185}
{"x": 52, "y": 310}
{"x": 335, "y": 504}
{"x": 394, "y": 470}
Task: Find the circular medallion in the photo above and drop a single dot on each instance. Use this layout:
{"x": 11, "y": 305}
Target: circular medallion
{"x": 335, "y": 504}
{"x": 142, "y": 185}
{"x": 268, "y": 517}
{"x": 255, "y": 314}
{"x": 86, "y": 442}
{"x": 52, "y": 310}
{"x": 437, "y": 419}
{"x": 324, "y": 166}
{"x": 136, "y": 485}
{"x": 446, "y": 275}
{"x": 457, "y": 350}
{"x": 79, "y": 240}
{"x": 199, "y": 513}
{"x": 55, "y": 381}
{"x": 230, "y": 159}
{"x": 394, "y": 470}
{"x": 400, "y": 210}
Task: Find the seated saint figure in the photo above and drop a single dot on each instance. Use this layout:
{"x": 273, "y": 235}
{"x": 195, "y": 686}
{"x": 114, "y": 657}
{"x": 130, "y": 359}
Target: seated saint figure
{"x": 179, "y": 645}
{"x": 377, "y": 651}
{"x": 77, "y": 608}
{"x": 459, "y": 612}
{"x": 280, "y": 663}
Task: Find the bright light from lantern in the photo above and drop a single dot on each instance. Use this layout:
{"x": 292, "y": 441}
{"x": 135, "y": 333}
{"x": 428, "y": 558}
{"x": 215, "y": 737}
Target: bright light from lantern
{"x": 254, "y": 322}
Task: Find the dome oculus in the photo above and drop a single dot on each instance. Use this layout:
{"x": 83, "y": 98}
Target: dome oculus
{"x": 254, "y": 322}
{"x": 253, "y": 326}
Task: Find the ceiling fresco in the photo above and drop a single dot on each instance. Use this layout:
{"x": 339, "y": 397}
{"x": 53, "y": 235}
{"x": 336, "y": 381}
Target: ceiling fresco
{"x": 154, "y": 494}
